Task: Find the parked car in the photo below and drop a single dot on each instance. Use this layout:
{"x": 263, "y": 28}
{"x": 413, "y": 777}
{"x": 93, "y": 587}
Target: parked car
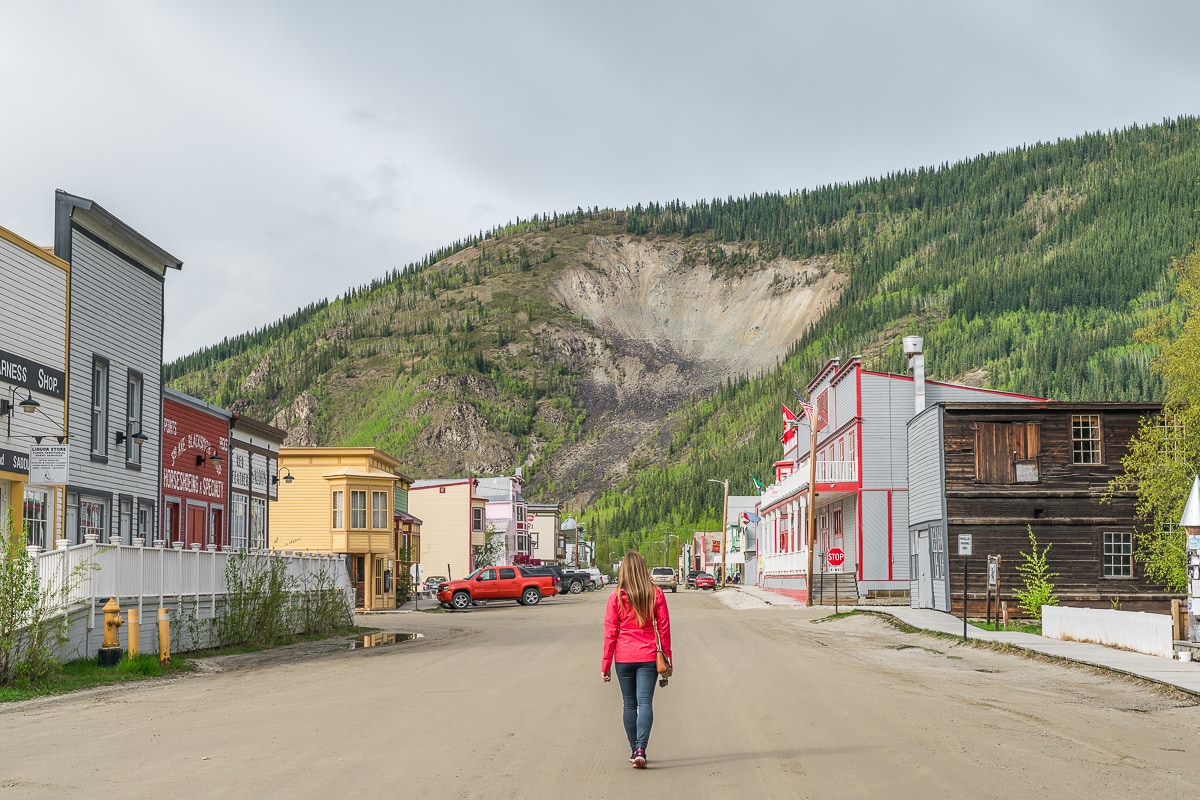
{"x": 705, "y": 581}
{"x": 497, "y": 583}
{"x": 597, "y": 577}
{"x": 431, "y": 583}
{"x": 690, "y": 583}
{"x": 570, "y": 581}
{"x": 665, "y": 578}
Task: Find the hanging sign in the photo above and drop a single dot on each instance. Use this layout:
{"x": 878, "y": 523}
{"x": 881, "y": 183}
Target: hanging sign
{"x": 48, "y": 463}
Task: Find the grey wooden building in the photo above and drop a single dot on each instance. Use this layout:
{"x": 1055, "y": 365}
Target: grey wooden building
{"x": 995, "y": 471}
{"x": 115, "y": 342}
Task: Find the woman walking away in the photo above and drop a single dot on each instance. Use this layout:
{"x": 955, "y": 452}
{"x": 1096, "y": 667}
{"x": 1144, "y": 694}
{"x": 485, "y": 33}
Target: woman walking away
{"x": 636, "y": 609}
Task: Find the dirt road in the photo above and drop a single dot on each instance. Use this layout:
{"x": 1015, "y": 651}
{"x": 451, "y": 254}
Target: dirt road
{"x": 507, "y": 701}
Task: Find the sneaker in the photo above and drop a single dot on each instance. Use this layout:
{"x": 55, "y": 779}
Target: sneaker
{"x": 639, "y": 758}
{"x": 632, "y": 755}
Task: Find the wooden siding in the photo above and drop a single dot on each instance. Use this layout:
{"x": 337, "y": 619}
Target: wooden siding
{"x": 33, "y": 317}
{"x": 1063, "y": 508}
{"x": 116, "y": 311}
{"x": 925, "y": 484}
{"x": 445, "y": 528}
{"x": 875, "y": 536}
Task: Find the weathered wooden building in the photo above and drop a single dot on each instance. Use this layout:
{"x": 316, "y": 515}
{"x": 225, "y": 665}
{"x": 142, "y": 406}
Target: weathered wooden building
{"x": 998, "y": 470}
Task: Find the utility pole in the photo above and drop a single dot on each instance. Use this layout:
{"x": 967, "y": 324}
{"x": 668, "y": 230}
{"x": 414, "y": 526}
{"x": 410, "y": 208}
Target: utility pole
{"x": 725, "y": 536}
{"x": 812, "y": 504}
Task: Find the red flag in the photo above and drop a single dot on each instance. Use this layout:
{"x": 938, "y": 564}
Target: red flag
{"x": 789, "y": 431}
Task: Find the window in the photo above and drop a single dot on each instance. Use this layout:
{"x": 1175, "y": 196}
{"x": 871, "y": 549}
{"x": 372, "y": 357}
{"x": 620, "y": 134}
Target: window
{"x": 145, "y": 521}
{"x": 508, "y": 574}
{"x": 379, "y": 507}
{"x": 823, "y": 410}
{"x": 91, "y": 516}
{"x": 338, "y": 506}
{"x": 171, "y": 521}
{"x": 1118, "y": 555}
{"x": 239, "y": 521}
{"x": 938, "y": 548}
{"x": 99, "y": 407}
{"x": 358, "y": 510}
{"x": 487, "y": 575}
{"x": 476, "y": 519}
{"x": 914, "y": 564}
{"x": 258, "y": 523}
{"x": 36, "y": 516}
{"x": 1085, "y": 439}
{"x": 1172, "y": 436}
{"x": 378, "y": 561}
{"x": 850, "y": 456}
{"x": 520, "y": 513}
{"x": 133, "y": 418}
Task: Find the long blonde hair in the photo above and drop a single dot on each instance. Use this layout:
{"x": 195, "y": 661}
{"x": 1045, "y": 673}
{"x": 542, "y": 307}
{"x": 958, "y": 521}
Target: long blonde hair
{"x": 633, "y": 578}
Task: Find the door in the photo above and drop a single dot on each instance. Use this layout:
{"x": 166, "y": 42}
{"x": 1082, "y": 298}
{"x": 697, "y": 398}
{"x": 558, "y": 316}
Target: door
{"x": 197, "y": 525}
{"x": 485, "y": 584}
{"x": 924, "y": 570}
{"x": 358, "y": 568}
{"x": 508, "y": 585}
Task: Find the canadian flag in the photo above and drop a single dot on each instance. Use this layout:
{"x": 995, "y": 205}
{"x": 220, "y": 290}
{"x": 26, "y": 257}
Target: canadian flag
{"x": 789, "y": 431}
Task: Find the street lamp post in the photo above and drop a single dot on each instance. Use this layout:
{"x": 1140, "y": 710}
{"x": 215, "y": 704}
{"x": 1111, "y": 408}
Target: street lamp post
{"x": 724, "y": 531}
{"x": 667, "y": 548}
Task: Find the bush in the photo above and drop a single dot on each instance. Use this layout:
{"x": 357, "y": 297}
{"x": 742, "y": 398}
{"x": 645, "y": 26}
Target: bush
{"x": 1039, "y": 587}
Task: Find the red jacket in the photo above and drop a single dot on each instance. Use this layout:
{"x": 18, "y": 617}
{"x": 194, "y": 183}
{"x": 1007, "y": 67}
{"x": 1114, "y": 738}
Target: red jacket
{"x": 628, "y": 642}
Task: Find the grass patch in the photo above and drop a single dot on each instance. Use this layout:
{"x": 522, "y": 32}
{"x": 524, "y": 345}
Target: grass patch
{"x": 840, "y": 615}
{"x": 1016, "y": 626}
{"x": 238, "y": 649}
{"x": 86, "y": 673}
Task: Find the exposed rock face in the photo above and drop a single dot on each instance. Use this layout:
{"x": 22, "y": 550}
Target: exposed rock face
{"x": 661, "y": 332}
{"x": 298, "y": 419}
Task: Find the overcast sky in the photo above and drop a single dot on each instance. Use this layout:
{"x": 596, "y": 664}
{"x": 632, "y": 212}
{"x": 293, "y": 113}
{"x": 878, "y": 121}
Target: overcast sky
{"x": 288, "y": 150}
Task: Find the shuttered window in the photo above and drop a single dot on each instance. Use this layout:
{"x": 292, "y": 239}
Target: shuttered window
{"x": 1007, "y": 452}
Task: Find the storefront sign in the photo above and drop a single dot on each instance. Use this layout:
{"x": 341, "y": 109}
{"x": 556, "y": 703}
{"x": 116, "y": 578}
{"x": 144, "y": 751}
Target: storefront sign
{"x": 14, "y": 461}
{"x": 239, "y": 469}
{"x": 32, "y": 375}
{"x": 258, "y": 473}
{"x": 48, "y": 463}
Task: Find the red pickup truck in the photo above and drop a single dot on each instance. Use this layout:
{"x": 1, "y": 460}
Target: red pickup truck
{"x": 496, "y": 583}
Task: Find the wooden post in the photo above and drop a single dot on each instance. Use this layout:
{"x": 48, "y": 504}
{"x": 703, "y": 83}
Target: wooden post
{"x": 1176, "y": 626}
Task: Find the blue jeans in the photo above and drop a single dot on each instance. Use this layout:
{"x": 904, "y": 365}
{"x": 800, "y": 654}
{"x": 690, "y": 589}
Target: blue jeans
{"x": 637, "y": 691}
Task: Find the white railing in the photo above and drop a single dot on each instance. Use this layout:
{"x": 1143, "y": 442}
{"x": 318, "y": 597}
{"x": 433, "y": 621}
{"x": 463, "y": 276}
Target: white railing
{"x": 94, "y": 572}
{"x": 1129, "y": 630}
{"x": 836, "y": 472}
{"x": 786, "y": 563}
{"x": 827, "y": 472}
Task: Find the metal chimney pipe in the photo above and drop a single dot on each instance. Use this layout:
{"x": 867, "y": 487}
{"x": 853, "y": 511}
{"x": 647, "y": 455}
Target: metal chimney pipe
{"x": 914, "y": 349}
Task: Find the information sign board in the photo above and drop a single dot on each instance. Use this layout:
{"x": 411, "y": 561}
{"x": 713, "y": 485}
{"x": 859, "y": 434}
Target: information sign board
{"x": 964, "y": 544}
{"x": 48, "y": 463}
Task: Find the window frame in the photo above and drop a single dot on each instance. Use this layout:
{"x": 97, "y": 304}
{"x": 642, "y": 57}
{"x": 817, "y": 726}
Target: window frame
{"x": 379, "y": 515}
{"x": 937, "y": 552}
{"x": 337, "y": 507}
{"x": 477, "y": 520}
{"x": 1092, "y": 448}
{"x": 358, "y": 514}
{"x": 99, "y": 407}
{"x": 135, "y": 385}
{"x": 1113, "y": 558}
{"x": 37, "y": 525}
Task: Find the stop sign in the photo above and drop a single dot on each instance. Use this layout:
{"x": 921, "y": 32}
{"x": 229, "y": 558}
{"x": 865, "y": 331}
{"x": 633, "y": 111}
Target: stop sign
{"x": 836, "y": 556}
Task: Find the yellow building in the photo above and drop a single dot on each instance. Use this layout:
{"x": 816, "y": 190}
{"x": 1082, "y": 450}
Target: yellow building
{"x": 343, "y": 500}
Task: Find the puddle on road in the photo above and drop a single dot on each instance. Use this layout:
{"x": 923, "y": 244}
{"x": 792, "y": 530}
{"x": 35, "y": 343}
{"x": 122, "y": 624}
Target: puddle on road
{"x": 383, "y": 639}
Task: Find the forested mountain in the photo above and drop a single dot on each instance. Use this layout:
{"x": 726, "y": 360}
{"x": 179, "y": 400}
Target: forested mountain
{"x": 622, "y": 357}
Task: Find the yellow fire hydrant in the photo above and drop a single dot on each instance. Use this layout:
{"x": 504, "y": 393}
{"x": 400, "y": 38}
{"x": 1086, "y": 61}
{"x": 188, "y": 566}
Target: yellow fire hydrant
{"x": 110, "y": 650}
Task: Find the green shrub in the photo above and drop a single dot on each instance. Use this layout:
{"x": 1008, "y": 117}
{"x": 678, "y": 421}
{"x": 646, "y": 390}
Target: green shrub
{"x": 1036, "y": 574}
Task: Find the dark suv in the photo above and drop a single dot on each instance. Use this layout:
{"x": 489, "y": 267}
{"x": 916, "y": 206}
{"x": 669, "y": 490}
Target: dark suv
{"x": 691, "y": 578}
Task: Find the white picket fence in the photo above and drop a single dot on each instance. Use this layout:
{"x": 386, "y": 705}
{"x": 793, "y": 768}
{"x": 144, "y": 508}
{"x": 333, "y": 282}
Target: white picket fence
{"x": 1128, "y": 630}
{"x": 93, "y": 572}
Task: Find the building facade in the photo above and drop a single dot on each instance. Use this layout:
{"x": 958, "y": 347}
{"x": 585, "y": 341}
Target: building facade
{"x": 547, "y": 542}
{"x": 253, "y": 481}
{"x": 453, "y": 523}
{"x": 195, "y": 472}
{"x": 33, "y": 384}
{"x": 342, "y": 500}
{"x": 996, "y": 472}
{"x": 508, "y": 515}
{"x": 861, "y": 480}
{"x": 116, "y": 343}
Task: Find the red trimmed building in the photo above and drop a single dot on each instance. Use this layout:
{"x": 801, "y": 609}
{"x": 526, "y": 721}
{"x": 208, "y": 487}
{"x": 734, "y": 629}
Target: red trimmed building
{"x": 195, "y": 472}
